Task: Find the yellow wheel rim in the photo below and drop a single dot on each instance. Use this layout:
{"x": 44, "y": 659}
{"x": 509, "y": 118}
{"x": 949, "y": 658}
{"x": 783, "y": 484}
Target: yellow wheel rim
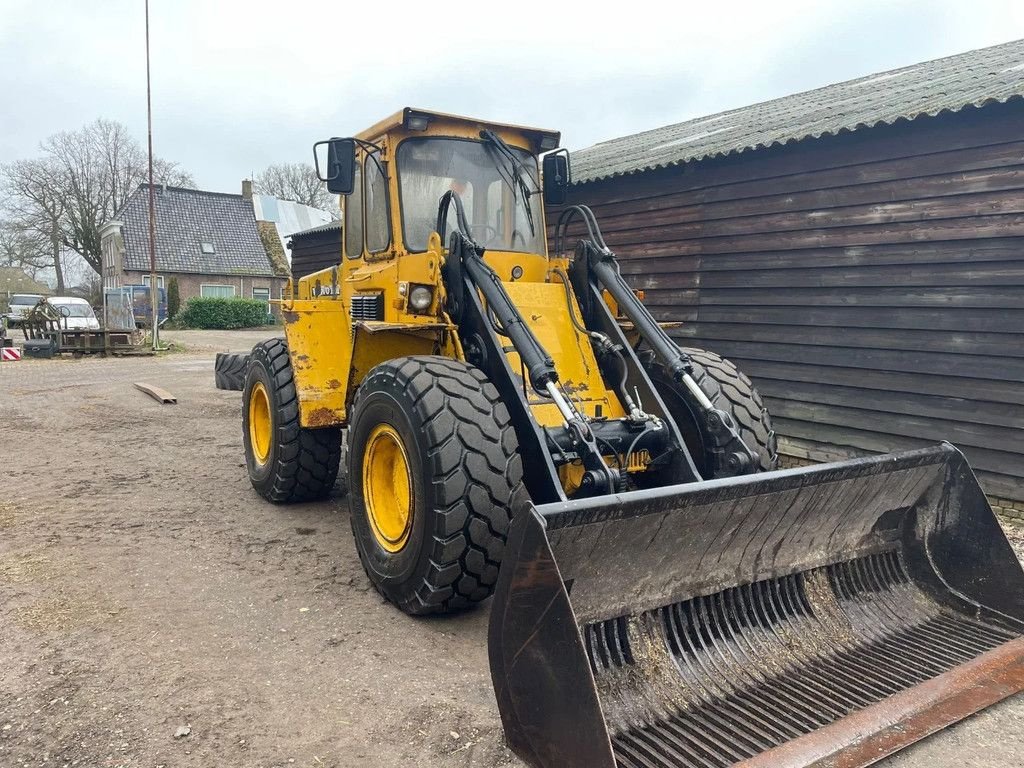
{"x": 261, "y": 430}
{"x": 387, "y": 488}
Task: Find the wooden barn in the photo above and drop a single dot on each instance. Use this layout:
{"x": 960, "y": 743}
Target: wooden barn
{"x": 858, "y": 250}
{"x": 315, "y": 249}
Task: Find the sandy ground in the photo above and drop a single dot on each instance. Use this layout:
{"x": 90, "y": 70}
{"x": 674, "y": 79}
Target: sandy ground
{"x": 145, "y": 591}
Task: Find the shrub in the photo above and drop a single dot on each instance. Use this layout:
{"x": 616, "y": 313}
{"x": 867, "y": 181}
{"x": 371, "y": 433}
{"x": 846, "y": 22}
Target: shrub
{"x": 221, "y": 314}
{"x": 173, "y": 298}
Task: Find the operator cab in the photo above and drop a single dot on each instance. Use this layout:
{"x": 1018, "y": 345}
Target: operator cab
{"x": 393, "y": 175}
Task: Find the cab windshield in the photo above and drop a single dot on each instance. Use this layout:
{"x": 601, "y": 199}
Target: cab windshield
{"x": 501, "y": 216}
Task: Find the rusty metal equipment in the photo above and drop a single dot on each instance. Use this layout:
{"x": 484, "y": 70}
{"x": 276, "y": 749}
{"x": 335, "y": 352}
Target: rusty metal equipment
{"x": 159, "y": 394}
{"x": 825, "y": 616}
{"x": 44, "y": 321}
{"x": 45, "y": 327}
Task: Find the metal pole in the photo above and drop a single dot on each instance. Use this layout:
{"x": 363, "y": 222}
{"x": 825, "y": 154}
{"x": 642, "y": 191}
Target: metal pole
{"x": 154, "y": 291}
{"x": 106, "y": 314}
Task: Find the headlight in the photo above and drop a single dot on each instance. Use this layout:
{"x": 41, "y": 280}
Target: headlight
{"x": 420, "y": 298}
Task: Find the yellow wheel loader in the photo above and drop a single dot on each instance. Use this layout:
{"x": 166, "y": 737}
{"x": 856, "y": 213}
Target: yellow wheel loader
{"x": 518, "y": 424}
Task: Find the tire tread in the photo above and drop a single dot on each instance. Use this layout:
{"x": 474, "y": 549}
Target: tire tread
{"x": 309, "y": 458}
{"x": 229, "y": 371}
{"x": 475, "y": 471}
{"x": 732, "y": 391}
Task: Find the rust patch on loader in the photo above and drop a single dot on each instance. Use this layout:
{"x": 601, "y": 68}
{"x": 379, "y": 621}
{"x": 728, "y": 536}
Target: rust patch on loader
{"x": 866, "y": 737}
{"x": 321, "y": 417}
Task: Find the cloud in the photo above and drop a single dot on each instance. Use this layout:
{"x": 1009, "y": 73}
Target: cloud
{"x": 240, "y": 85}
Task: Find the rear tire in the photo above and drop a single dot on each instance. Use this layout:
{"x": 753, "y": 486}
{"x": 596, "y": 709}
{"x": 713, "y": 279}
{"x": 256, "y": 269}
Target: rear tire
{"x": 229, "y": 371}
{"x": 286, "y": 461}
{"x": 434, "y": 433}
{"x": 729, "y": 390}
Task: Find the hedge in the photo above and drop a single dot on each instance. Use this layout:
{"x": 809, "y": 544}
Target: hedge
{"x": 173, "y": 298}
{"x": 219, "y": 314}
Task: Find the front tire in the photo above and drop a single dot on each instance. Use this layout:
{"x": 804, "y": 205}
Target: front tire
{"x": 286, "y": 461}
{"x": 434, "y": 474}
{"x": 729, "y": 390}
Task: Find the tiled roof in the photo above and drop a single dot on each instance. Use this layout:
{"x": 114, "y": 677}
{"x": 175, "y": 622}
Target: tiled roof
{"x": 14, "y": 280}
{"x": 186, "y": 218}
{"x": 975, "y": 78}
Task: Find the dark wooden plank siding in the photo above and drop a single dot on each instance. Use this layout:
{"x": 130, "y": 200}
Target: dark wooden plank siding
{"x": 314, "y": 251}
{"x": 872, "y": 284}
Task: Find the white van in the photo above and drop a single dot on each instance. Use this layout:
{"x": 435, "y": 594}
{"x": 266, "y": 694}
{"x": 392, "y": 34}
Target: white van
{"x": 78, "y": 315}
{"x": 19, "y": 305}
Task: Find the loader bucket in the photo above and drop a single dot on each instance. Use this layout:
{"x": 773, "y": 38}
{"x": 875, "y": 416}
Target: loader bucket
{"x": 825, "y": 616}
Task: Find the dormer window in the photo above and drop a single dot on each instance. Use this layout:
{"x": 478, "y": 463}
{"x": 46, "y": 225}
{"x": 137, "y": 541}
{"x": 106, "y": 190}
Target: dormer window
{"x": 206, "y": 247}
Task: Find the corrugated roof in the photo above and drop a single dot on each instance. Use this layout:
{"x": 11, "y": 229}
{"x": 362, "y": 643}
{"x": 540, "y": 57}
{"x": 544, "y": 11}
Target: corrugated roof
{"x": 289, "y": 216}
{"x": 975, "y": 78}
{"x": 336, "y": 224}
{"x": 186, "y": 218}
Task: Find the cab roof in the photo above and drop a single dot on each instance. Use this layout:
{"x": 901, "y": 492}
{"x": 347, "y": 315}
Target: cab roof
{"x": 541, "y": 138}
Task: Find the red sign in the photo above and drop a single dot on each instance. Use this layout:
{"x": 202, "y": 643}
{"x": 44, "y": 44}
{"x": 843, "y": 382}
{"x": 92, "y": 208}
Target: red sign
{"x": 10, "y": 353}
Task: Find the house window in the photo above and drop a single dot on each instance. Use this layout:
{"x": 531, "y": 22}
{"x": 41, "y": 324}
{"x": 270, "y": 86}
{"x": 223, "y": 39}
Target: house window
{"x": 211, "y": 291}
{"x": 159, "y": 281}
{"x": 262, "y": 294}
{"x": 206, "y": 247}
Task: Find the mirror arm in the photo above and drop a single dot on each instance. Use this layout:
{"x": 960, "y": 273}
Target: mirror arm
{"x": 368, "y": 145}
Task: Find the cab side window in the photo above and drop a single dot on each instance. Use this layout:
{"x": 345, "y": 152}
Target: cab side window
{"x": 378, "y": 224}
{"x": 354, "y": 218}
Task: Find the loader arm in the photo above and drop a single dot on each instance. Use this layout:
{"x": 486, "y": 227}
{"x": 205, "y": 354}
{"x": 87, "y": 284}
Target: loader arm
{"x": 503, "y": 319}
{"x": 595, "y": 267}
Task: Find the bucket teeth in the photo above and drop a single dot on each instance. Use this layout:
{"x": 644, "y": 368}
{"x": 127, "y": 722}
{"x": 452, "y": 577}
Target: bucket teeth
{"x": 758, "y": 665}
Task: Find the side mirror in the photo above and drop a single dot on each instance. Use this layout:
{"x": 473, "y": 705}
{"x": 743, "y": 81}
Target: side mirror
{"x": 557, "y": 177}
{"x": 336, "y": 164}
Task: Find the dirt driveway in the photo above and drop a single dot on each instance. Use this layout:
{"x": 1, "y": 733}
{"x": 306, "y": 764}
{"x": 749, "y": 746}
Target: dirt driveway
{"x": 145, "y": 591}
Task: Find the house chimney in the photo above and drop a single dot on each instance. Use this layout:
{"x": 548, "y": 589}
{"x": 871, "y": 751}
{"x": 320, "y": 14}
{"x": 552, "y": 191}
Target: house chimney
{"x": 247, "y": 189}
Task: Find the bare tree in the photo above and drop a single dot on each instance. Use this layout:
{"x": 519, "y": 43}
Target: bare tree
{"x": 79, "y": 275}
{"x": 297, "y": 182}
{"x": 81, "y": 179}
{"x": 24, "y": 248}
{"x": 37, "y": 208}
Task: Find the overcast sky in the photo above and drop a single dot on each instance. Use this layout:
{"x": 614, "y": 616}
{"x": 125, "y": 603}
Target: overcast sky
{"x": 240, "y": 85}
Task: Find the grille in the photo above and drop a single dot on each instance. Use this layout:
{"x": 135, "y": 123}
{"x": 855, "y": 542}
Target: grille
{"x": 753, "y": 667}
{"x": 608, "y": 644}
{"x": 368, "y": 306}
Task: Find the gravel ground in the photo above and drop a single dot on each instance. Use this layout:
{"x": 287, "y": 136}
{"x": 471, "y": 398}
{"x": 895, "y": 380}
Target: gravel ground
{"x": 146, "y": 591}
{"x": 219, "y": 341}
